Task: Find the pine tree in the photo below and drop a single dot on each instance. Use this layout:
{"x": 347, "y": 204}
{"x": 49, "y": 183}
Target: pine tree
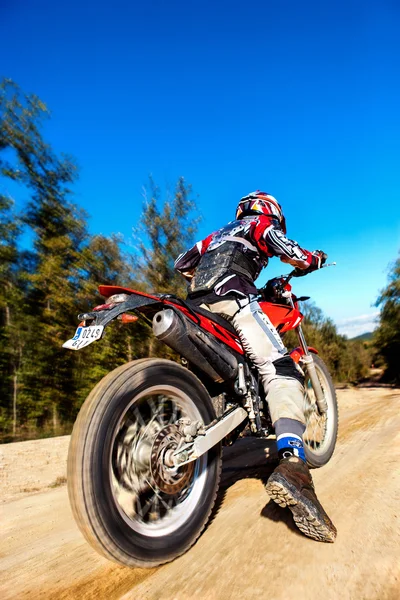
{"x": 59, "y": 231}
{"x": 104, "y": 262}
{"x": 42, "y": 290}
{"x": 11, "y": 308}
{"x": 166, "y": 230}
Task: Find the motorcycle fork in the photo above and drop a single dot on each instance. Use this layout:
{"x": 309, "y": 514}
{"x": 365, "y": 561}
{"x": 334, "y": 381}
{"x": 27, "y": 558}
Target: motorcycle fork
{"x": 309, "y": 365}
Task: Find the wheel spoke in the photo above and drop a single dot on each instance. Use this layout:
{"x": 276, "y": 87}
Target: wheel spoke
{"x": 316, "y": 435}
{"x": 147, "y": 492}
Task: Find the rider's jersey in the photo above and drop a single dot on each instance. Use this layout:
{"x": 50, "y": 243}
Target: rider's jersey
{"x": 229, "y": 260}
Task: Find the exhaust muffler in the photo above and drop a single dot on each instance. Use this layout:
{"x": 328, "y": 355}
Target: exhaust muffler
{"x": 195, "y": 345}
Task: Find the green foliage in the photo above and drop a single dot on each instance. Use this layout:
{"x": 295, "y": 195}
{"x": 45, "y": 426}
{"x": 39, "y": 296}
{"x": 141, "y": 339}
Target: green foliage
{"x": 387, "y": 337}
{"x": 42, "y": 290}
{"x": 364, "y": 337}
{"x": 59, "y": 230}
{"x": 103, "y": 262}
{"x": 347, "y": 360}
{"x": 165, "y": 231}
{"x": 36, "y": 165}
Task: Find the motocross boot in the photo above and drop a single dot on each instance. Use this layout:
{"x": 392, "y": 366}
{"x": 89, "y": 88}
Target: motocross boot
{"x": 291, "y": 485}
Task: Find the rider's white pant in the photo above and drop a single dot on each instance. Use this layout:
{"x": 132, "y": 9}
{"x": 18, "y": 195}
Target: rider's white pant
{"x": 263, "y": 346}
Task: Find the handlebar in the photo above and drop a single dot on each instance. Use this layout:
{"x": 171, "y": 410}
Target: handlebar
{"x": 294, "y": 272}
{"x": 286, "y": 278}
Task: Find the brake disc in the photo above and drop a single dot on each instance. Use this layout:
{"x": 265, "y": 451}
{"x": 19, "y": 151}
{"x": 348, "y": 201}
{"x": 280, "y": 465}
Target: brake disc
{"x": 168, "y": 478}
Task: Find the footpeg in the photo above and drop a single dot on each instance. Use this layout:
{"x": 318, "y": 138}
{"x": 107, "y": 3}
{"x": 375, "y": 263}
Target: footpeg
{"x": 214, "y": 434}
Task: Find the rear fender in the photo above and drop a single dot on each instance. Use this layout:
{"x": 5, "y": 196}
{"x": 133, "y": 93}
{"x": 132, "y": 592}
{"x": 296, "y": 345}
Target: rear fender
{"x": 298, "y": 353}
{"x": 136, "y": 301}
{"x": 110, "y": 290}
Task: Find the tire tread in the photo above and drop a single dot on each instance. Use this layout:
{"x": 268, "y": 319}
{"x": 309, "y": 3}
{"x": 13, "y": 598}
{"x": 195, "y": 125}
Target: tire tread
{"x": 79, "y": 489}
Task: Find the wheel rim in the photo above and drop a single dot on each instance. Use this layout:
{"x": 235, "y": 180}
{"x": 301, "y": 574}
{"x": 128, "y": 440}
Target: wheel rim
{"x": 319, "y": 428}
{"x": 152, "y": 501}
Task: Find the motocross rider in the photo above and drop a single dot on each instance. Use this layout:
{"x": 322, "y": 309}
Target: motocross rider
{"x": 221, "y": 270}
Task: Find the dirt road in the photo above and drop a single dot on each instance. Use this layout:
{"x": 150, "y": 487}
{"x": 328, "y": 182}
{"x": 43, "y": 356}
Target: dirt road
{"x": 251, "y": 549}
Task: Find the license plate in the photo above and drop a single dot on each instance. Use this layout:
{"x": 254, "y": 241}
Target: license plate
{"x": 84, "y": 336}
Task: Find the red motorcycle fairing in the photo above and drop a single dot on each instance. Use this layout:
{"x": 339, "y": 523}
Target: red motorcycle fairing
{"x": 282, "y": 317}
{"x": 214, "y": 328}
{"x": 110, "y": 290}
{"x": 298, "y": 352}
{"x": 217, "y": 330}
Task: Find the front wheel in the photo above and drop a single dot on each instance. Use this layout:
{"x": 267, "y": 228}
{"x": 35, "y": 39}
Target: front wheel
{"x": 129, "y": 502}
{"x": 321, "y": 430}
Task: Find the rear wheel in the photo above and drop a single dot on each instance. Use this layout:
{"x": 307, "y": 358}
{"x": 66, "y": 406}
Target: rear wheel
{"x": 129, "y": 501}
{"x": 321, "y": 430}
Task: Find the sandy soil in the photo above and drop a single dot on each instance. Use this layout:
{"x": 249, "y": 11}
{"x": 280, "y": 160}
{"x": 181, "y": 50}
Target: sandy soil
{"x": 250, "y": 550}
{"x": 27, "y": 467}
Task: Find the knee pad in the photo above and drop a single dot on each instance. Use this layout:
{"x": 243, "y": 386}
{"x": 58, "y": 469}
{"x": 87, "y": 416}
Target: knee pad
{"x": 286, "y": 367}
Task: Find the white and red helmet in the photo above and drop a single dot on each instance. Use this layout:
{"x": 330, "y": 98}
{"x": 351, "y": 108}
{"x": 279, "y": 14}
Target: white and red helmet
{"x": 260, "y": 203}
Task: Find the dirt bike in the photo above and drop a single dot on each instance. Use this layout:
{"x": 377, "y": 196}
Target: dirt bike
{"x": 144, "y": 461}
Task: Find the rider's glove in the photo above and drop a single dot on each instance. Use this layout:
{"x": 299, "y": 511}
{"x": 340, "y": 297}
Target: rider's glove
{"x": 318, "y": 258}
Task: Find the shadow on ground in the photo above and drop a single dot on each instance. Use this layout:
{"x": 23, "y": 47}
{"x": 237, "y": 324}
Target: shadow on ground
{"x": 252, "y": 458}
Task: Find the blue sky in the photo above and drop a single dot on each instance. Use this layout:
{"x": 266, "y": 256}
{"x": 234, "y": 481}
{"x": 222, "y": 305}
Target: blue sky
{"x": 300, "y": 99}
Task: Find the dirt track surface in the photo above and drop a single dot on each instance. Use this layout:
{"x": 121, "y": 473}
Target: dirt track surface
{"x": 252, "y": 548}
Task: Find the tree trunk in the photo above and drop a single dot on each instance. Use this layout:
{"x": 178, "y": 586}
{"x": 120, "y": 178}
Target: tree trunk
{"x": 16, "y": 368}
{"x": 151, "y": 346}
{"x": 8, "y": 317}
{"x": 129, "y": 350}
{"x": 55, "y": 419}
{"x": 15, "y": 388}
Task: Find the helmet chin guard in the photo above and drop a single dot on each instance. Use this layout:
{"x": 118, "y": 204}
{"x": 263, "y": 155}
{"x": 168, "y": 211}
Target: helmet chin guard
{"x": 260, "y": 203}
